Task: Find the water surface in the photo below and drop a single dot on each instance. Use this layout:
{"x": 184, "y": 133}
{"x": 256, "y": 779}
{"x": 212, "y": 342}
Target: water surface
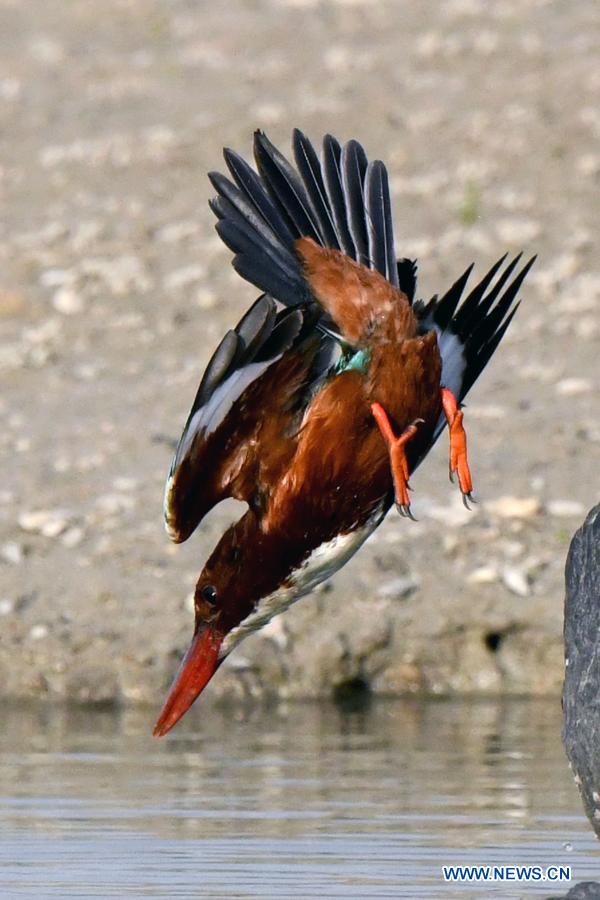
{"x": 297, "y": 801}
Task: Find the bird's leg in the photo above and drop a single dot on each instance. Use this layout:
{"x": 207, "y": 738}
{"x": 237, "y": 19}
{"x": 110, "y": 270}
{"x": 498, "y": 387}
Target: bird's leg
{"x": 398, "y": 462}
{"x": 458, "y": 446}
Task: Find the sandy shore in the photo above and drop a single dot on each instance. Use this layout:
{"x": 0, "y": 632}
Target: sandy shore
{"x": 114, "y": 290}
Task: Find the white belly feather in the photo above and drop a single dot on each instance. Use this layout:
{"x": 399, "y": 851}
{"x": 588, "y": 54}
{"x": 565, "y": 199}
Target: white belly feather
{"x": 320, "y": 565}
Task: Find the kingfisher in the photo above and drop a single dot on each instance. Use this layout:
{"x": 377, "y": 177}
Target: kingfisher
{"x": 319, "y": 405}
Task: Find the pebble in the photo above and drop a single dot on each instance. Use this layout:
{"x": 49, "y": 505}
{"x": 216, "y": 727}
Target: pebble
{"x": 6, "y": 607}
{"x": 47, "y": 522}
{"x": 206, "y": 299}
{"x": 176, "y": 232}
{"x": 588, "y": 164}
{"x": 483, "y": 575}
{"x": 454, "y": 515}
{"x": 565, "y": 508}
{"x": 398, "y": 588}
{"x": 538, "y": 371}
{"x": 120, "y": 274}
{"x": 450, "y": 543}
{"x": 516, "y": 581}
{"x": 512, "y": 549}
{"x": 573, "y": 387}
{"x": 276, "y": 632}
{"x": 48, "y": 332}
{"x": 67, "y": 301}
{"x": 55, "y": 278}
{"x": 269, "y": 113}
{"x": 519, "y": 231}
{"x": 72, "y": 537}
{"x": 38, "y": 632}
{"x": 183, "y": 277}
{"x": 125, "y": 483}
{"x": 580, "y": 295}
{"x": 12, "y": 552}
{"x": 489, "y": 412}
{"x": 115, "y": 503}
{"x": 514, "y": 507}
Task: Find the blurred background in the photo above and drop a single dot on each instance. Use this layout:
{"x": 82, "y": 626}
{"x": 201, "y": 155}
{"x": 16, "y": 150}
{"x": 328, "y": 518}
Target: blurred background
{"x": 114, "y": 290}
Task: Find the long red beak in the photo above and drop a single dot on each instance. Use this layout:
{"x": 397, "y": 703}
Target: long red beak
{"x": 197, "y": 668}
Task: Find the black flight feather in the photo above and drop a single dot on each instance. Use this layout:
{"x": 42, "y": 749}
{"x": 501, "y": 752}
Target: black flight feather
{"x": 261, "y": 265}
{"x": 407, "y": 277}
{"x": 286, "y": 189}
{"x": 251, "y": 185}
{"x": 256, "y": 324}
{"x": 332, "y": 177}
{"x": 488, "y": 316}
{"x": 309, "y": 168}
{"x": 380, "y": 232}
{"x": 446, "y": 307}
{"x": 353, "y": 168}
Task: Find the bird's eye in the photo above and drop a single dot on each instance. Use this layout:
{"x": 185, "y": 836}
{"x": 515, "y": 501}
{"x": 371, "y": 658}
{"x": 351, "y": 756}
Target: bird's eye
{"x": 209, "y": 593}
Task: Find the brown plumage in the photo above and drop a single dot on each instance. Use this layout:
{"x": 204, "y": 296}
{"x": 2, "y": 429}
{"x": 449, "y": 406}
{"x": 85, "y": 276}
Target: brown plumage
{"x": 316, "y": 409}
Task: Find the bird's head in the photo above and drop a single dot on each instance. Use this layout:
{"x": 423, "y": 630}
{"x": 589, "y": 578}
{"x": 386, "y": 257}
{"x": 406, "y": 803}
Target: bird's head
{"x": 245, "y": 567}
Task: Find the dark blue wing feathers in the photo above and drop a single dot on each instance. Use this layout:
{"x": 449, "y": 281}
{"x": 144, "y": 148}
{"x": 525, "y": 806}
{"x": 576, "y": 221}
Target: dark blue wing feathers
{"x": 341, "y": 202}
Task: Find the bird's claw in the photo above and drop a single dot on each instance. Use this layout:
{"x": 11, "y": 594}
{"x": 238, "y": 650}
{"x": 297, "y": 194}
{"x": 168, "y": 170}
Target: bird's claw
{"x": 467, "y": 498}
{"x": 398, "y": 462}
{"x": 459, "y": 464}
{"x": 405, "y": 511}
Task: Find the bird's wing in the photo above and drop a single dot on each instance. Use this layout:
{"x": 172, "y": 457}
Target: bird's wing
{"x": 341, "y": 202}
{"x": 468, "y": 332}
{"x": 240, "y": 427}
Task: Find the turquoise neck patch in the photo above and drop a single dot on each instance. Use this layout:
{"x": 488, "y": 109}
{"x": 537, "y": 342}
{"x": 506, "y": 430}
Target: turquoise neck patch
{"x": 358, "y": 359}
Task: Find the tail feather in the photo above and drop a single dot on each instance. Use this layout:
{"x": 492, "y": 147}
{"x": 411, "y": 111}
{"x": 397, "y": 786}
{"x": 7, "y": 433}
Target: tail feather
{"x": 407, "y": 277}
{"x": 469, "y": 336}
{"x": 446, "y": 307}
{"x": 484, "y": 352}
{"x": 486, "y": 303}
{"x": 489, "y": 330}
{"x": 471, "y": 304}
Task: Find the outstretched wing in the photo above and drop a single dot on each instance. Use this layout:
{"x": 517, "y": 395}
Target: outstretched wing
{"x": 342, "y": 203}
{"x": 240, "y": 429}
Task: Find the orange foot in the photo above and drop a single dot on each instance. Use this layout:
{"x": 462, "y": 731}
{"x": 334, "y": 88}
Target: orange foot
{"x": 398, "y": 461}
{"x": 458, "y": 446}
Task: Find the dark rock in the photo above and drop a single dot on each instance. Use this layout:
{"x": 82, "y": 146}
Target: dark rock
{"x": 585, "y": 890}
{"x": 581, "y": 693}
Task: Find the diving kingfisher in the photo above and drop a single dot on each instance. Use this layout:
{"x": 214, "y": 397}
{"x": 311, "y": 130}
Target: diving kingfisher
{"x": 331, "y": 390}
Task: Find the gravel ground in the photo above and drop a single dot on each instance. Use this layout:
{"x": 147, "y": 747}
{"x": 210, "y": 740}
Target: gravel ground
{"x": 114, "y": 290}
